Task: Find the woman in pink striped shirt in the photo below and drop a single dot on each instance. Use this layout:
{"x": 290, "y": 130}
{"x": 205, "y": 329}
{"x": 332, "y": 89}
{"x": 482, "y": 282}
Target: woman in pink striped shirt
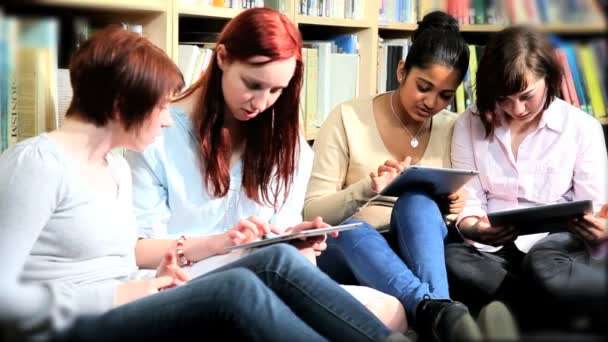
{"x": 530, "y": 148}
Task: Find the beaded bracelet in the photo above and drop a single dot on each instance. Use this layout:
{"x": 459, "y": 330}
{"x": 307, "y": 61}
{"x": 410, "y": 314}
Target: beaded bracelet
{"x": 179, "y": 251}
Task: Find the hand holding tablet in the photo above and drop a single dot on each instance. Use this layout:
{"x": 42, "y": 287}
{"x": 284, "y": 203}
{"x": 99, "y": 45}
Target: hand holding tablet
{"x": 551, "y": 218}
{"x": 438, "y": 181}
{"x": 295, "y": 235}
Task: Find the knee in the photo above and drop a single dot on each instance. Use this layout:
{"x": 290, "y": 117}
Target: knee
{"x": 417, "y": 203}
{"x": 458, "y": 257}
{"x": 352, "y": 238}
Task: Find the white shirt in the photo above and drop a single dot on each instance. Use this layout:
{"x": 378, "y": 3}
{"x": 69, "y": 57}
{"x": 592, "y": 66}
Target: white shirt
{"x": 564, "y": 159}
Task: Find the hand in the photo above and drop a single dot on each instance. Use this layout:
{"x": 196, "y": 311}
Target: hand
{"x": 387, "y": 172}
{"x": 249, "y": 230}
{"x": 457, "y": 201}
{"x": 169, "y": 268}
{"x": 135, "y": 289}
{"x": 592, "y": 229}
{"x": 480, "y": 230}
{"x": 313, "y": 244}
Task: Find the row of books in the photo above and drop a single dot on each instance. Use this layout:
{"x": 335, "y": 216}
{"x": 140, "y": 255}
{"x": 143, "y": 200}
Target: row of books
{"x": 28, "y": 97}
{"x": 525, "y": 11}
{"x": 397, "y": 11}
{"x": 193, "y": 60}
{"x": 276, "y": 4}
{"x": 35, "y": 89}
{"x": 343, "y": 9}
{"x": 584, "y": 84}
{"x": 330, "y": 78}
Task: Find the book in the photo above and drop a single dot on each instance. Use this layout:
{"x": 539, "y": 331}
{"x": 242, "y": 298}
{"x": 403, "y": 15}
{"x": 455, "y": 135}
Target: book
{"x": 296, "y": 235}
{"x": 550, "y": 218}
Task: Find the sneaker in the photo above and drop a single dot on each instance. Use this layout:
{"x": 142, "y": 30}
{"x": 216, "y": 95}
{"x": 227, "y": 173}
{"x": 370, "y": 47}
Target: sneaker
{"x": 445, "y": 320}
{"x": 397, "y": 337}
{"x": 497, "y": 323}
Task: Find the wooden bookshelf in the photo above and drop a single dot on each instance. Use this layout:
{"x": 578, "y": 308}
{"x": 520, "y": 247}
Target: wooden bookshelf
{"x": 130, "y": 5}
{"x": 161, "y": 23}
{"x": 332, "y": 22}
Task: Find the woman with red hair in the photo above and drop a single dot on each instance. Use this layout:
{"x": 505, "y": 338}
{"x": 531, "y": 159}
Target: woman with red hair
{"x": 234, "y": 166}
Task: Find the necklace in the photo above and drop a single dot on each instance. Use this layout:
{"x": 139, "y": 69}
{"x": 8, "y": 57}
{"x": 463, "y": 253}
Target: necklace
{"x": 414, "y": 142}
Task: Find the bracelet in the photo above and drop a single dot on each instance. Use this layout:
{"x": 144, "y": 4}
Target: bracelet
{"x": 179, "y": 252}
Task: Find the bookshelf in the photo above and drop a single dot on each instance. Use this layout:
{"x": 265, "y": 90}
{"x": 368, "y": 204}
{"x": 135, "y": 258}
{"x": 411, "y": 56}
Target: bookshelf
{"x": 163, "y": 20}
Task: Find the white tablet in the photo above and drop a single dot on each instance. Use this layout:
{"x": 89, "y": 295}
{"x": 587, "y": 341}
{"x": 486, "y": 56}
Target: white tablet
{"x": 296, "y": 235}
{"x": 550, "y": 218}
{"x": 438, "y": 181}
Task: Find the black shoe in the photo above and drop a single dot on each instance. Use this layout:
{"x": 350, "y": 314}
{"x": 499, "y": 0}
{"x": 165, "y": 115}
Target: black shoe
{"x": 445, "y": 320}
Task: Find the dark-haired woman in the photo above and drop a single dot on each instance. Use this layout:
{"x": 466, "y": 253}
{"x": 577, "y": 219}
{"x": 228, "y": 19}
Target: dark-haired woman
{"x": 407, "y": 126}
{"x": 530, "y": 148}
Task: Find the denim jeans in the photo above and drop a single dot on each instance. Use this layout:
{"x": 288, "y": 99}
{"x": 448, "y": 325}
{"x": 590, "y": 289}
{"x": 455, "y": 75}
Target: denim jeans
{"x": 417, "y": 267}
{"x": 273, "y": 294}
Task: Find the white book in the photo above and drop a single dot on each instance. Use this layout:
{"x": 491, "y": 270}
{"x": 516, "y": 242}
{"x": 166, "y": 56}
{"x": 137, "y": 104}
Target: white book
{"x": 344, "y": 80}
{"x": 186, "y": 61}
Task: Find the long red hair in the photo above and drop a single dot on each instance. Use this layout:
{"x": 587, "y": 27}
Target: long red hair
{"x": 271, "y": 140}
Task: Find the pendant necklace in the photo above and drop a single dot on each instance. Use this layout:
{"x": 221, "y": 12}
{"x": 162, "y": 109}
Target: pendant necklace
{"x": 414, "y": 142}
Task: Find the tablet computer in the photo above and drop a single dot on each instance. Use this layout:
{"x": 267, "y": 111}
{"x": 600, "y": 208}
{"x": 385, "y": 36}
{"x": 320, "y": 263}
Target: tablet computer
{"x": 438, "y": 181}
{"x": 550, "y": 218}
{"x": 296, "y": 235}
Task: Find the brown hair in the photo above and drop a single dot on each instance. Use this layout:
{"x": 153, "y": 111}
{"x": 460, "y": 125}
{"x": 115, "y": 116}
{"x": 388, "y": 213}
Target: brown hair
{"x": 508, "y": 57}
{"x": 271, "y": 138}
{"x": 119, "y": 70}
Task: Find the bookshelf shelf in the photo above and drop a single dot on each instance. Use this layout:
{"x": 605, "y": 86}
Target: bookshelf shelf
{"x": 324, "y": 21}
{"x": 575, "y": 28}
{"x": 548, "y": 28}
{"x": 398, "y": 26}
{"x": 164, "y": 20}
{"x": 132, "y": 5}
{"x": 208, "y": 11}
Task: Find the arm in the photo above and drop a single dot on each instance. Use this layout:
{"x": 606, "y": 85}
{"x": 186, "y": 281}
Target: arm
{"x": 463, "y": 158}
{"x": 590, "y": 168}
{"x": 152, "y": 211}
{"x": 326, "y": 195}
{"x": 589, "y": 182}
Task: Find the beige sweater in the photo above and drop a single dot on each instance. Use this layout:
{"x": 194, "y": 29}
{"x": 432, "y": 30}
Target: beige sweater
{"x": 347, "y": 148}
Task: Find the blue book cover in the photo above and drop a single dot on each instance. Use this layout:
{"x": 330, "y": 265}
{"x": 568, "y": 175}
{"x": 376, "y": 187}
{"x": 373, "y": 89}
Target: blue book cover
{"x": 346, "y": 43}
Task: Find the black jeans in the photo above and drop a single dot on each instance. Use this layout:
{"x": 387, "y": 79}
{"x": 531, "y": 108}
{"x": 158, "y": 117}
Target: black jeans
{"x": 569, "y": 279}
{"x": 551, "y": 286}
{"x": 476, "y": 278}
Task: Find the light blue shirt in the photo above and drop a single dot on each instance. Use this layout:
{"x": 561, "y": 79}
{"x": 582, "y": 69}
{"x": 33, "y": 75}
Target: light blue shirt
{"x": 169, "y": 197}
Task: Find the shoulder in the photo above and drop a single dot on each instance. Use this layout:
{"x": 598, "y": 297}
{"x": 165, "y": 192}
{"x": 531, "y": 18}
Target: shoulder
{"x": 305, "y": 153}
{"x": 567, "y": 117}
{"x": 38, "y": 154}
{"x": 33, "y": 165}
{"x": 354, "y": 111}
{"x": 468, "y": 118}
{"x": 445, "y": 118}
{"x": 173, "y": 141}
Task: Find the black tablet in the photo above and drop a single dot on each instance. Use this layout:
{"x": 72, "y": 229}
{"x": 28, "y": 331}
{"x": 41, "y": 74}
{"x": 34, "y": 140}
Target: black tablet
{"x": 550, "y": 218}
{"x": 438, "y": 181}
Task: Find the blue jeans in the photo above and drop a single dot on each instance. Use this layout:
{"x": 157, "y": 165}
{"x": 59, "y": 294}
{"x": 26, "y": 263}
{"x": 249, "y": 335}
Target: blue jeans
{"x": 416, "y": 269}
{"x": 274, "y": 294}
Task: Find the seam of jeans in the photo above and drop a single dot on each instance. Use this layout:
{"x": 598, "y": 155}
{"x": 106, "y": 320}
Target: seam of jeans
{"x": 329, "y": 310}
